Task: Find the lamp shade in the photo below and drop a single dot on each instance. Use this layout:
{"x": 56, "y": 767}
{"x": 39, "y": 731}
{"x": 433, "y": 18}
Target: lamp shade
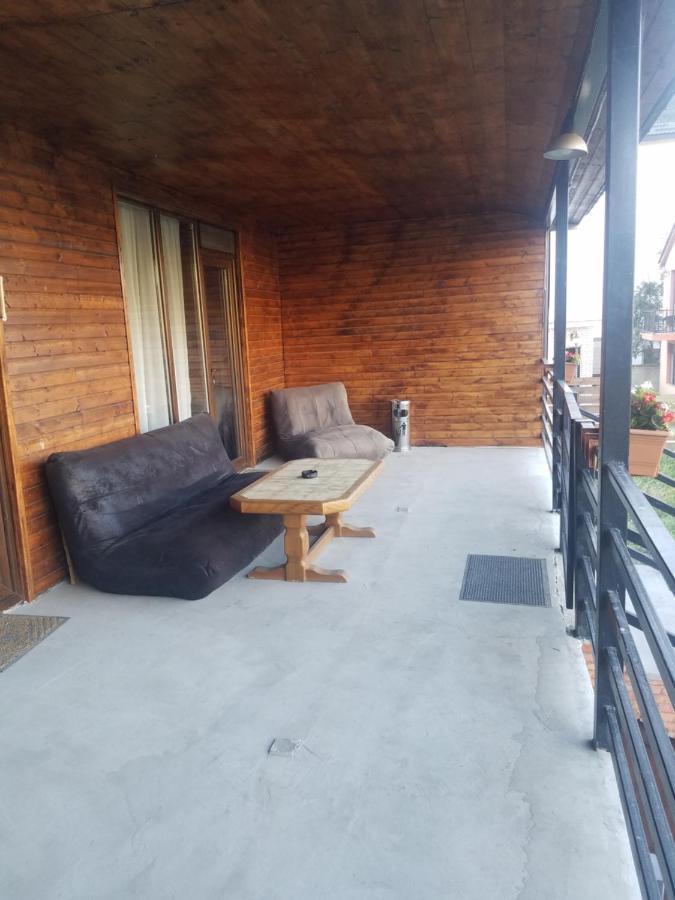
{"x": 566, "y": 146}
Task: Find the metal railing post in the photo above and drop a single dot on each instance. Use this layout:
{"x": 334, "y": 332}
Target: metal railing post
{"x": 560, "y": 318}
{"x": 560, "y": 313}
{"x": 571, "y": 476}
{"x": 566, "y": 529}
{"x": 623, "y": 103}
{"x": 556, "y": 447}
{"x": 581, "y": 506}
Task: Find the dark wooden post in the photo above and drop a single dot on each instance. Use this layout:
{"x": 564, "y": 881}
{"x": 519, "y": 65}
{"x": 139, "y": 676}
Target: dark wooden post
{"x": 559, "y": 320}
{"x": 581, "y": 505}
{"x": 560, "y": 312}
{"x": 623, "y": 104}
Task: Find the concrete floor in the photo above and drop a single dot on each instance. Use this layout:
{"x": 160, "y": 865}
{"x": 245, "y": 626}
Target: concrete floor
{"x": 446, "y": 744}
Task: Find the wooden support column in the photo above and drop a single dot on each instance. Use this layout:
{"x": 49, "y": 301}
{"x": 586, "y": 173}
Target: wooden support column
{"x": 623, "y": 105}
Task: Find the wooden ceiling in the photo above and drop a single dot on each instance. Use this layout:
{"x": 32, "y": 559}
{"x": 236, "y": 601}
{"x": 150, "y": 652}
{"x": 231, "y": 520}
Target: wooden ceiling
{"x": 306, "y": 111}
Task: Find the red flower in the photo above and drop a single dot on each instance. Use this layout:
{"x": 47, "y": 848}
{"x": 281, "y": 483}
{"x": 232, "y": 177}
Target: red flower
{"x": 647, "y": 411}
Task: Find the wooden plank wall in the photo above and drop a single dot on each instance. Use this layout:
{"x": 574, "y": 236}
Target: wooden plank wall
{"x": 445, "y": 313}
{"x": 65, "y": 340}
{"x": 262, "y": 300}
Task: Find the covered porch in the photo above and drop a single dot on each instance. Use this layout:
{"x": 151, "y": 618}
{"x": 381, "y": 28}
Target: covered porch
{"x": 202, "y": 203}
{"x": 445, "y": 750}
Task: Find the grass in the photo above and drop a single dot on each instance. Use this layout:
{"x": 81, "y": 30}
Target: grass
{"x": 661, "y": 491}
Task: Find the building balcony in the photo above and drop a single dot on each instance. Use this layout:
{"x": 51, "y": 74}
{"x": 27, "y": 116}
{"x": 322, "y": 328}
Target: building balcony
{"x": 446, "y": 744}
{"x": 659, "y": 327}
{"x": 205, "y": 203}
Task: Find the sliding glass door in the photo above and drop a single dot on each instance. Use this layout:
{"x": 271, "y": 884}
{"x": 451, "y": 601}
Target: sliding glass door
{"x": 185, "y": 322}
{"x": 221, "y": 312}
{"x": 159, "y": 265}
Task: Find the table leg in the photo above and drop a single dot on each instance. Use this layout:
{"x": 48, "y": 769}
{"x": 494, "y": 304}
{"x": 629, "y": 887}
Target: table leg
{"x": 298, "y": 554}
{"x": 335, "y": 522}
{"x": 296, "y": 545}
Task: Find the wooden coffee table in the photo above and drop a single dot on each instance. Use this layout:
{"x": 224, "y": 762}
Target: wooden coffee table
{"x": 284, "y": 492}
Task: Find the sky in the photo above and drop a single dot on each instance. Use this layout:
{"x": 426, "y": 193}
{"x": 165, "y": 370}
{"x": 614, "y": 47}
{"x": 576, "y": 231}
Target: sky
{"x": 655, "y": 218}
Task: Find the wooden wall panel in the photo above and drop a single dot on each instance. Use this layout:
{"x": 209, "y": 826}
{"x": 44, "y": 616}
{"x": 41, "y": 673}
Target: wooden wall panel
{"x": 65, "y": 342}
{"x": 66, "y": 347}
{"x": 445, "y": 313}
{"x": 260, "y": 277}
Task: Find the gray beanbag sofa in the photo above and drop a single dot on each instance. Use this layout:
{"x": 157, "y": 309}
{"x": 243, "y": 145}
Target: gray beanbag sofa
{"x": 317, "y": 422}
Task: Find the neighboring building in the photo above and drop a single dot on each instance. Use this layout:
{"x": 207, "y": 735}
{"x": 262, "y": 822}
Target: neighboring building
{"x": 664, "y": 325}
{"x": 667, "y": 264}
{"x": 584, "y": 334}
{"x": 587, "y": 336}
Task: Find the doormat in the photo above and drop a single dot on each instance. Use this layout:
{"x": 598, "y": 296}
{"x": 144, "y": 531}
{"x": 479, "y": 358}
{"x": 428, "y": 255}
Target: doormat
{"x": 19, "y": 634}
{"x": 514, "y": 580}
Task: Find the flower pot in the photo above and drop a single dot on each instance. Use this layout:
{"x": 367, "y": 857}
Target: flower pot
{"x": 570, "y": 372}
{"x": 645, "y": 451}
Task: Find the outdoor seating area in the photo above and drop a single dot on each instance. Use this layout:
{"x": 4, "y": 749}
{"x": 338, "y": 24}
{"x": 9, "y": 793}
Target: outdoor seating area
{"x": 444, "y": 744}
{"x": 159, "y": 514}
{"x": 284, "y": 330}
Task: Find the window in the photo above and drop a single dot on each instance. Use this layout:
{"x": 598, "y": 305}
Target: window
{"x": 159, "y": 265}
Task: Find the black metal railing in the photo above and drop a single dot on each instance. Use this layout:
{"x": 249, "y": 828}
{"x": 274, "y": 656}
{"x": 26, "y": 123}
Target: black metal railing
{"x": 547, "y": 411}
{"x": 658, "y": 323}
{"x": 636, "y": 545}
{"x": 667, "y": 510}
{"x": 641, "y": 749}
{"x": 568, "y": 436}
{"x": 647, "y": 784}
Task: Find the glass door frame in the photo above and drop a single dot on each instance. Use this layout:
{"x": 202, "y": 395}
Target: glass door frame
{"x": 228, "y": 263}
{"x": 239, "y": 348}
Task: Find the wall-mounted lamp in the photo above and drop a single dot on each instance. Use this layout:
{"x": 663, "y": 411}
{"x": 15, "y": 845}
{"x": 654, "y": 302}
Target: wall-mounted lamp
{"x": 566, "y": 146}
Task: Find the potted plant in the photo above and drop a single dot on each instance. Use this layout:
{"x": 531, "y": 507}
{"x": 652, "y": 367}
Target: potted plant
{"x": 572, "y": 360}
{"x": 649, "y": 420}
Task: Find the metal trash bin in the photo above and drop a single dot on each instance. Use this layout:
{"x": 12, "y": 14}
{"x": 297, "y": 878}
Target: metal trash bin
{"x": 400, "y": 425}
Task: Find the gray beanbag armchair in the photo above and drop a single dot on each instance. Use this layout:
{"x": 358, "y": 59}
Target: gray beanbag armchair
{"x": 317, "y": 422}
